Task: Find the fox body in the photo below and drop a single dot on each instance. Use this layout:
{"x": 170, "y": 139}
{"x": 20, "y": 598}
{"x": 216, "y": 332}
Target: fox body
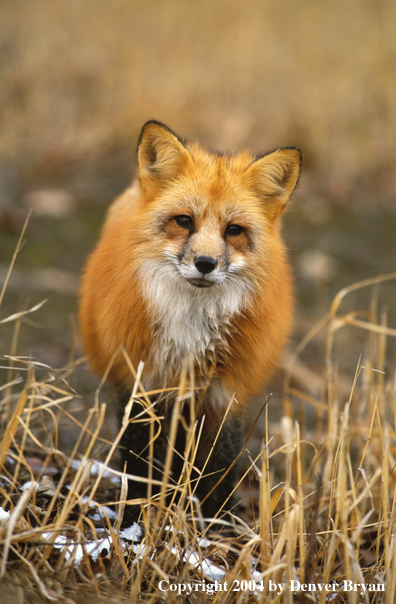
{"x": 191, "y": 271}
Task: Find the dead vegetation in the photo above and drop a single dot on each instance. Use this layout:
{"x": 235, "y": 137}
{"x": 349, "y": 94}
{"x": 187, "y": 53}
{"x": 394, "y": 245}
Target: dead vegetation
{"x": 78, "y": 81}
{"x": 321, "y": 497}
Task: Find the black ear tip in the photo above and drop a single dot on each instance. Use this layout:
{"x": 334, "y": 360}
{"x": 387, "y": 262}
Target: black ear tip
{"x": 298, "y": 150}
{"x": 154, "y": 122}
{"x": 157, "y": 126}
{"x": 147, "y": 125}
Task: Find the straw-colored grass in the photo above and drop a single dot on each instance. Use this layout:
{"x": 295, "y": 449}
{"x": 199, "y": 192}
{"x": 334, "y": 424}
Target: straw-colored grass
{"x": 326, "y": 513}
{"x": 78, "y": 81}
{"x": 80, "y": 78}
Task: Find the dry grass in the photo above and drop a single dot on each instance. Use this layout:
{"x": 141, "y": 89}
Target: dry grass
{"x": 80, "y": 78}
{"x": 325, "y": 513}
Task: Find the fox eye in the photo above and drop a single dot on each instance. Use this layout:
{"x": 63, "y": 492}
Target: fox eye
{"x": 234, "y": 230}
{"x": 184, "y": 221}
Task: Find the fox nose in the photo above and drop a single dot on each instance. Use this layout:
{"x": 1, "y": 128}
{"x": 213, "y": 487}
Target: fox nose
{"x": 205, "y": 264}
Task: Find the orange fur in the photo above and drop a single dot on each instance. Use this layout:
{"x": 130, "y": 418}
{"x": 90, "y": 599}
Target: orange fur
{"x": 141, "y": 289}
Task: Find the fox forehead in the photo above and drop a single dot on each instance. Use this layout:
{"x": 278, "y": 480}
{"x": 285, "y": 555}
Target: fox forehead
{"x": 216, "y": 177}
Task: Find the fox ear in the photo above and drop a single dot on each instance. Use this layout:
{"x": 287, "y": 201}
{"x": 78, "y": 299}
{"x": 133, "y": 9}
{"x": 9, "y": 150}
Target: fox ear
{"x": 161, "y": 155}
{"x": 274, "y": 177}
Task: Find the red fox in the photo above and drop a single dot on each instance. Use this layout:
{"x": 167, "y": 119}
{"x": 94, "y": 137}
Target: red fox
{"x": 191, "y": 267}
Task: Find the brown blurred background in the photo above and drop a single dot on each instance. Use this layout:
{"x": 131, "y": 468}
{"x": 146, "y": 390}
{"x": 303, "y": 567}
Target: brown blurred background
{"x": 79, "y": 79}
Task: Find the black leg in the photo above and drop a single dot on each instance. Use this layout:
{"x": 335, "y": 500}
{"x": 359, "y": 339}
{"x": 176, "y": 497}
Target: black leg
{"x": 135, "y": 451}
{"x": 227, "y": 447}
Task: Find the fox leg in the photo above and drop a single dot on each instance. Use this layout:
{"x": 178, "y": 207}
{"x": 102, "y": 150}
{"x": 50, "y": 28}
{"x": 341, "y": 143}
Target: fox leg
{"x": 226, "y": 449}
{"x": 134, "y": 460}
{"x": 134, "y": 449}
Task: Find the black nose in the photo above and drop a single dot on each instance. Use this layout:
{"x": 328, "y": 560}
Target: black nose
{"x": 205, "y": 264}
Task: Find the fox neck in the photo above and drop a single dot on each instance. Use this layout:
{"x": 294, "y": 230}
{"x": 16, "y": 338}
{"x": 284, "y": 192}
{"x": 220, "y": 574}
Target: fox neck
{"x": 189, "y": 323}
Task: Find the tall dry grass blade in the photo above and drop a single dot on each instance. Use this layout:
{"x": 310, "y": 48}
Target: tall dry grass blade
{"x": 390, "y": 582}
{"x": 11, "y": 429}
{"x": 175, "y": 420}
{"x": 371, "y": 327}
{"x": 342, "y": 499}
{"x": 286, "y": 540}
{"x": 337, "y": 495}
{"x": 121, "y": 505}
{"x": 19, "y": 315}
{"x": 265, "y": 511}
{"x": 13, "y": 260}
{"x": 386, "y": 529}
{"x": 300, "y": 501}
{"x": 374, "y": 415}
{"x": 380, "y": 368}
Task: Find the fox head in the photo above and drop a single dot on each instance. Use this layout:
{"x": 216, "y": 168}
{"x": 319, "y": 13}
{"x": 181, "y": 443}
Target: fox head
{"x": 214, "y": 213}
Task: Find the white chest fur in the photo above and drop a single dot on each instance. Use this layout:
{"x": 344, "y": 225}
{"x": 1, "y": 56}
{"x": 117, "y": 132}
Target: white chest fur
{"x": 189, "y": 322}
